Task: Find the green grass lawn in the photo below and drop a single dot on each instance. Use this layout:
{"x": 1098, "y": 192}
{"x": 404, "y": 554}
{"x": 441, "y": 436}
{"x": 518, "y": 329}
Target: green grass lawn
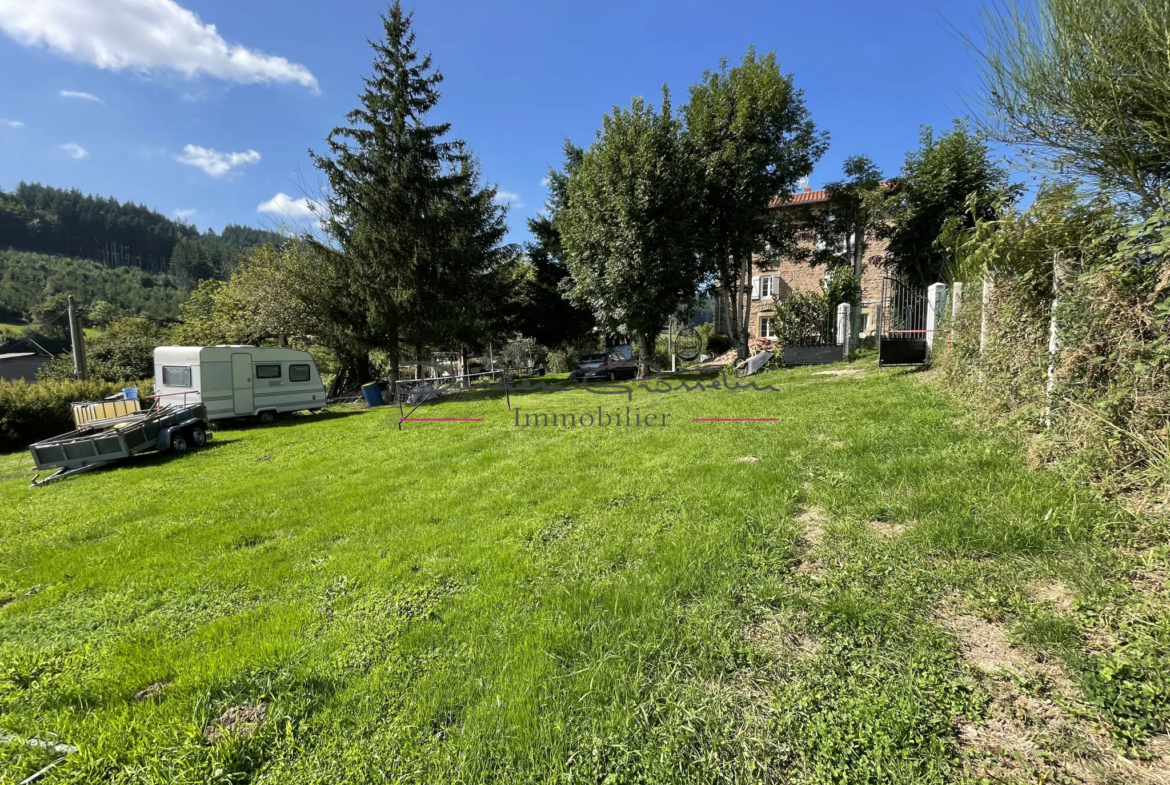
{"x": 881, "y": 592}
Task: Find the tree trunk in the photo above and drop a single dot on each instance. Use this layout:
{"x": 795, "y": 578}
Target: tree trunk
{"x": 646, "y": 345}
{"x": 362, "y": 368}
{"x": 745, "y": 292}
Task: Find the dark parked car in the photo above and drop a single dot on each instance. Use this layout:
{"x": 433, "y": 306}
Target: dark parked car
{"x": 597, "y": 367}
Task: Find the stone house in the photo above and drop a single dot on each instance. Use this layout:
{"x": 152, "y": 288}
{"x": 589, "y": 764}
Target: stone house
{"x": 775, "y": 281}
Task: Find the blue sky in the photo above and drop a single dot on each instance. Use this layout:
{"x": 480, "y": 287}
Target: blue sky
{"x": 143, "y": 100}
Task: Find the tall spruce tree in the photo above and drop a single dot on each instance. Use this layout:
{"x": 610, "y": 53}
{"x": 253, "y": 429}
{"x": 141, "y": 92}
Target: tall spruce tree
{"x": 390, "y": 173}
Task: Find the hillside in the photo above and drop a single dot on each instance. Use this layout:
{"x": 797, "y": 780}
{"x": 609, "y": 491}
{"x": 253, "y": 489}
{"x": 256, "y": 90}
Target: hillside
{"x": 26, "y": 279}
{"x": 46, "y": 220}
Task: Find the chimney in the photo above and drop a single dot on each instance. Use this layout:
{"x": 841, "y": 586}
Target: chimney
{"x": 807, "y": 190}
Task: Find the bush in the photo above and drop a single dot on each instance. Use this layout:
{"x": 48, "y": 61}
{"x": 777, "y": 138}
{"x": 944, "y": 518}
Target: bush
{"x": 32, "y": 412}
{"x": 717, "y": 344}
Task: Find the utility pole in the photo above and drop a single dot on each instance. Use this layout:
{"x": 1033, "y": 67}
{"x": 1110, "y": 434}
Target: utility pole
{"x": 77, "y": 337}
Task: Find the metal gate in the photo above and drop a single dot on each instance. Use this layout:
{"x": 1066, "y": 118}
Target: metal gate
{"x": 901, "y": 324}
{"x": 813, "y": 341}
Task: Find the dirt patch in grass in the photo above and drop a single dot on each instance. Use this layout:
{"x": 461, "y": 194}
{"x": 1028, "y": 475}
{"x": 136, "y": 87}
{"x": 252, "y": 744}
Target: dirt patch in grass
{"x": 150, "y": 692}
{"x": 1055, "y": 593}
{"x": 748, "y": 459}
{"x": 812, "y": 521}
{"x": 888, "y": 530}
{"x": 237, "y": 720}
{"x": 847, "y": 372}
{"x": 1035, "y": 729}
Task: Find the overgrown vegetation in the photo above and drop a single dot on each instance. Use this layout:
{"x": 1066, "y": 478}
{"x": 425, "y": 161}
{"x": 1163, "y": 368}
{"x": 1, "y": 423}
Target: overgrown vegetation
{"x": 1106, "y": 407}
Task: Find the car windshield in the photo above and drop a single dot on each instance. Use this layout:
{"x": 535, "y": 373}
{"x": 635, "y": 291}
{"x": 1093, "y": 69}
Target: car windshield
{"x": 593, "y": 359}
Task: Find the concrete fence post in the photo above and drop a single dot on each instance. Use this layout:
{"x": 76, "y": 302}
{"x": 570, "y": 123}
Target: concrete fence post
{"x": 956, "y": 301}
{"x": 844, "y": 326}
{"x": 936, "y": 298}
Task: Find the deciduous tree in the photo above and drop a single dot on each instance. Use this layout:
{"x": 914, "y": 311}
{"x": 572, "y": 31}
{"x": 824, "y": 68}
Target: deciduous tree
{"x": 628, "y": 229}
{"x": 753, "y": 139}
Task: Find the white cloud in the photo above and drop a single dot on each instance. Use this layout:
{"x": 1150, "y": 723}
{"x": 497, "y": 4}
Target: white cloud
{"x": 12, "y": 123}
{"x": 213, "y": 162}
{"x": 508, "y": 198}
{"x": 284, "y": 205}
{"x": 76, "y": 94}
{"x": 75, "y": 150}
{"x": 144, "y": 36}
{"x": 184, "y": 213}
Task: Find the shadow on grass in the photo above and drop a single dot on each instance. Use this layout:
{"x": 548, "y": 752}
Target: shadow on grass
{"x": 283, "y": 421}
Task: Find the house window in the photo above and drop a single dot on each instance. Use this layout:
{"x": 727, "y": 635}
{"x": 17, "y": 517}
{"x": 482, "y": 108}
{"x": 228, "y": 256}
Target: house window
{"x": 768, "y": 286}
{"x": 177, "y": 375}
{"x": 298, "y": 373}
{"x": 268, "y": 371}
{"x": 767, "y": 327}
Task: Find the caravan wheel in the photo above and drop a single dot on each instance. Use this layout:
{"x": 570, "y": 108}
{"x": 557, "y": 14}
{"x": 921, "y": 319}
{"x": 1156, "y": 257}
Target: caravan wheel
{"x": 267, "y": 418}
{"x": 179, "y": 443}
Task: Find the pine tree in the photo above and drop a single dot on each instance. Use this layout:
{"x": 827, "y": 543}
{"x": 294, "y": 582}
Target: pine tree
{"x": 390, "y": 173}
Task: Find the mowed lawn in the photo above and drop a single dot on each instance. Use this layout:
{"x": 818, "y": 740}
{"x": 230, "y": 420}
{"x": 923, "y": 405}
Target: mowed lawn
{"x": 867, "y": 590}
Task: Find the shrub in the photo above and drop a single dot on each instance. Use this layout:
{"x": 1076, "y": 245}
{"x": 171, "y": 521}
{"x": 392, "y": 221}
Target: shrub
{"x": 717, "y": 344}
{"x": 32, "y": 412}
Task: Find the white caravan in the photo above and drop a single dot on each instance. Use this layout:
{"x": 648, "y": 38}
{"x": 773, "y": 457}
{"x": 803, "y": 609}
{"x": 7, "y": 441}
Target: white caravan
{"x": 238, "y": 381}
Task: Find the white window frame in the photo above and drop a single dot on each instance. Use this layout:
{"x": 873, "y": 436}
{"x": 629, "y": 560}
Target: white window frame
{"x": 770, "y": 333}
{"x": 768, "y": 286}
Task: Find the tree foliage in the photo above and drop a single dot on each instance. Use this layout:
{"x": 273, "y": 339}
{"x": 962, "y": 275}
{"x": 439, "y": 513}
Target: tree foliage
{"x": 628, "y": 228}
{"x": 949, "y": 182}
{"x": 543, "y": 311}
{"x": 753, "y": 140}
{"x": 1086, "y": 87}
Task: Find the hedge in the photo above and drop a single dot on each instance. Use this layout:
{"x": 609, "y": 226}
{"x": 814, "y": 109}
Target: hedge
{"x": 32, "y": 412}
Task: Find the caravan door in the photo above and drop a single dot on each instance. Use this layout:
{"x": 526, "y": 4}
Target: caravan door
{"x": 242, "y": 384}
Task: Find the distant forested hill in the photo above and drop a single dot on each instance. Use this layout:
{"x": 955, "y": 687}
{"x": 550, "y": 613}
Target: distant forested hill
{"x": 54, "y": 241}
{"x": 29, "y": 279}
{"x": 42, "y": 219}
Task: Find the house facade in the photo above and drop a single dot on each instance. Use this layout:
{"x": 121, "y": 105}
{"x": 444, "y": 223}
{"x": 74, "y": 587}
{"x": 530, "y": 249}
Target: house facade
{"x": 773, "y": 282}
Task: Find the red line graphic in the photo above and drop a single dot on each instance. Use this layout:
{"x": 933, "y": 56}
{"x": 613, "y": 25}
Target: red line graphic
{"x": 735, "y": 419}
{"x": 442, "y": 419}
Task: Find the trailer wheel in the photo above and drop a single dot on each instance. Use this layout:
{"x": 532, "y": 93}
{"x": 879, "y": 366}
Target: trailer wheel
{"x": 267, "y": 418}
{"x": 198, "y": 436}
{"x": 179, "y": 443}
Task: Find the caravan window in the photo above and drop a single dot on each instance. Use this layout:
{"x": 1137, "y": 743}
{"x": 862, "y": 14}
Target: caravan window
{"x": 268, "y": 371}
{"x": 298, "y": 373}
{"x": 176, "y": 376}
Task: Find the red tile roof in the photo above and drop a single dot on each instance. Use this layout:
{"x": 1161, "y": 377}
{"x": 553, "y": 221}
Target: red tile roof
{"x": 809, "y": 196}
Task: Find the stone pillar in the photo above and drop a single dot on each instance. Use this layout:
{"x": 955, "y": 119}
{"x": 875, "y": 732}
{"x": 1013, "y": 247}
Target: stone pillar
{"x": 956, "y": 301}
{"x": 936, "y": 298}
{"x": 988, "y": 288}
{"x": 844, "y": 326}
